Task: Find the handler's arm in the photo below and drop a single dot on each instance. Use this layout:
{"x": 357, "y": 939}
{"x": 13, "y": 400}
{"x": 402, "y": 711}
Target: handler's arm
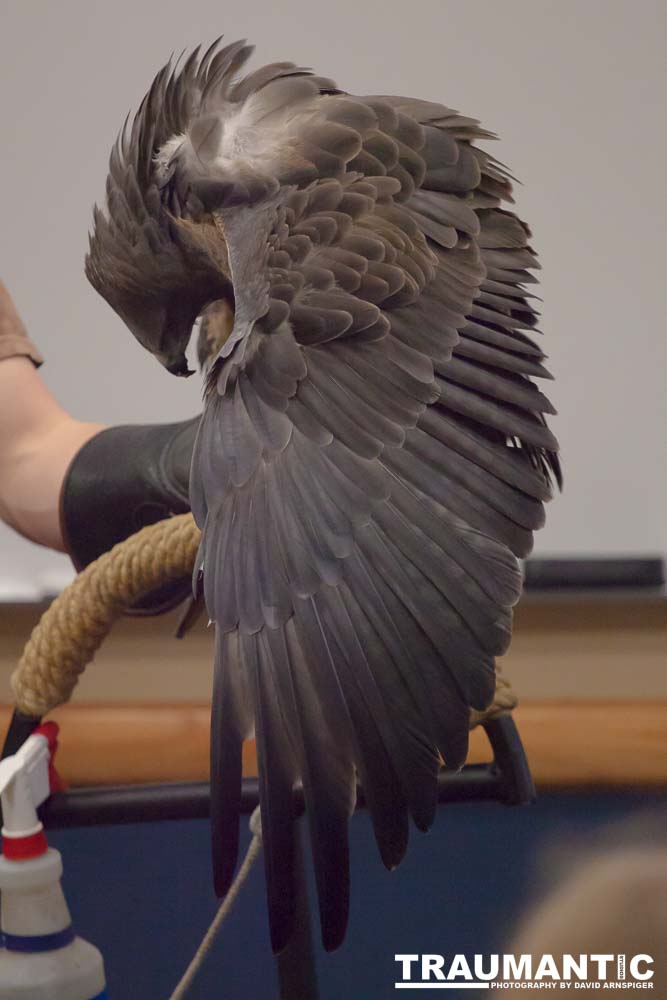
{"x": 80, "y": 487}
{"x": 38, "y": 440}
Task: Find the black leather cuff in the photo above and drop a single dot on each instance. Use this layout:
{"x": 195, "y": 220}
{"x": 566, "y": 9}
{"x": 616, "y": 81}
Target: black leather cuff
{"x": 121, "y": 480}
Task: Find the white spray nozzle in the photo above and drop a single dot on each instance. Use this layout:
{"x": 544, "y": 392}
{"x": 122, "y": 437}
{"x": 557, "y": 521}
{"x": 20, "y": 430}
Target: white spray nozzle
{"x": 24, "y": 785}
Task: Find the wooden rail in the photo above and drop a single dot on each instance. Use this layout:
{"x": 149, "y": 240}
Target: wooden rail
{"x": 569, "y": 743}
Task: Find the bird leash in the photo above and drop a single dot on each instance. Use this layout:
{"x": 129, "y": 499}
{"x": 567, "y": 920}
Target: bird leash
{"x": 224, "y": 909}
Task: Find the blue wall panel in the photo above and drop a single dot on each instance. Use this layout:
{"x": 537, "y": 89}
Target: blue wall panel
{"x": 142, "y": 894}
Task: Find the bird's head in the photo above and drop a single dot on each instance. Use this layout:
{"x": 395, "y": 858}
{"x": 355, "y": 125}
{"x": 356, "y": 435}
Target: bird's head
{"x": 157, "y": 254}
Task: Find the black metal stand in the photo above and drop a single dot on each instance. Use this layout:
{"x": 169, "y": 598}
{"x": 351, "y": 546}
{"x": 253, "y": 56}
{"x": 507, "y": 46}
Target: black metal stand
{"x": 297, "y": 975}
{"x": 506, "y": 779}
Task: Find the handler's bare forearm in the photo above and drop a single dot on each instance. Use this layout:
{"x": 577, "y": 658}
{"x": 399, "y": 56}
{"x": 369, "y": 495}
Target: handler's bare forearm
{"x": 38, "y": 440}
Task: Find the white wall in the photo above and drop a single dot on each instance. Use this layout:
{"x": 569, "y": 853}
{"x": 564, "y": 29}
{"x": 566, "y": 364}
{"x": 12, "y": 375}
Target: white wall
{"x": 575, "y": 89}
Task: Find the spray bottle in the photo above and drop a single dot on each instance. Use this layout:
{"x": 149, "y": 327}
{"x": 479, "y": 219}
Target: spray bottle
{"x": 40, "y": 956}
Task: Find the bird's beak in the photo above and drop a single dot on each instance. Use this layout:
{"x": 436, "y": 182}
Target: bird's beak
{"x": 177, "y": 366}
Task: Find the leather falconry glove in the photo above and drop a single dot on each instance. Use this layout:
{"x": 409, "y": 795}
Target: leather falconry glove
{"x": 130, "y": 476}
{"x": 121, "y": 480}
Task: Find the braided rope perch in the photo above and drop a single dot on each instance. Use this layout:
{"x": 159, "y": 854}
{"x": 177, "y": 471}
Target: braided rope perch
{"x": 75, "y": 625}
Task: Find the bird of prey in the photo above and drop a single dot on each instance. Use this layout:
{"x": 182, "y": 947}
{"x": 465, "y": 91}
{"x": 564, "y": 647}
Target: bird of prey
{"x": 372, "y": 458}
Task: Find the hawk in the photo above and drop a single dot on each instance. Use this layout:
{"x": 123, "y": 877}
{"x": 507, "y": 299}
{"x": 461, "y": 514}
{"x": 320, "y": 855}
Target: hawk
{"x": 373, "y": 456}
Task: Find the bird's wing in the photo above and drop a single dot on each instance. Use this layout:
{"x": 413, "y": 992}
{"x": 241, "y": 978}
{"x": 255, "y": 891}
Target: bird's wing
{"x": 372, "y": 455}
